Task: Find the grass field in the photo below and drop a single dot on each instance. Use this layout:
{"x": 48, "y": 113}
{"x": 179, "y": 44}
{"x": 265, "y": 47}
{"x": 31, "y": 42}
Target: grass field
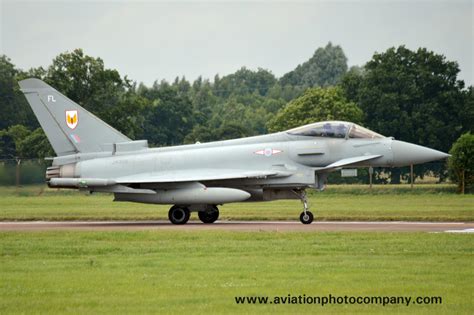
{"x": 351, "y": 202}
{"x": 202, "y": 272}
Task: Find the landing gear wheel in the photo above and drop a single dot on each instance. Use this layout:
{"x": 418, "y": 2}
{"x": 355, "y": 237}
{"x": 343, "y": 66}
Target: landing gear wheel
{"x": 178, "y": 215}
{"x": 306, "y": 217}
{"x": 210, "y": 215}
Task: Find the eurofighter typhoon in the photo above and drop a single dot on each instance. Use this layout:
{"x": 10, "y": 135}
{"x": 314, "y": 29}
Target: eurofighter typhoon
{"x": 92, "y": 156}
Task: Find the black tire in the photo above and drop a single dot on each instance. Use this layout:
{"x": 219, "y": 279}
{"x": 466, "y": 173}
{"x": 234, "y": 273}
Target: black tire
{"x": 178, "y": 215}
{"x": 210, "y": 215}
{"x": 306, "y": 219}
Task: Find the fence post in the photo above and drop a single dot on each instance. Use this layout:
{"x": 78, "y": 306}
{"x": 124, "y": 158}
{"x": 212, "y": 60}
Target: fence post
{"x": 17, "y": 180}
{"x": 371, "y": 171}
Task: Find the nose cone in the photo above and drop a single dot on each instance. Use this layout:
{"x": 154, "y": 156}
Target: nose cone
{"x": 405, "y": 153}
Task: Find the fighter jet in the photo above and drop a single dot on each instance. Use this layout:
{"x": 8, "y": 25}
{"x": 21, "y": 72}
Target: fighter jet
{"x": 92, "y": 156}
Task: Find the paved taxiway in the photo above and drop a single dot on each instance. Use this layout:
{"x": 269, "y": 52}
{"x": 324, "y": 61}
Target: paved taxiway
{"x": 241, "y": 226}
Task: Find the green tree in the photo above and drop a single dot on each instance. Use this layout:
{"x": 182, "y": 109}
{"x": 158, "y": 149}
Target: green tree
{"x": 351, "y": 82}
{"x": 7, "y": 146}
{"x": 324, "y": 68}
{"x": 412, "y": 95}
{"x": 35, "y": 146}
{"x": 18, "y": 133}
{"x": 13, "y": 107}
{"x": 204, "y": 102}
{"x": 128, "y": 114}
{"x": 85, "y": 80}
{"x": 18, "y": 141}
{"x": 316, "y": 104}
{"x": 170, "y": 118}
{"x": 201, "y": 134}
{"x": 232, "y": 130}
{"x": 244, "y": 81}
{"x": 461, "y": 163}
{"x": 469, "y": 114}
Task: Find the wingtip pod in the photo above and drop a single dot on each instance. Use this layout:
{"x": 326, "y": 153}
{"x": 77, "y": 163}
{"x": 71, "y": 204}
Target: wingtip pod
{"x": 33, "y": 84}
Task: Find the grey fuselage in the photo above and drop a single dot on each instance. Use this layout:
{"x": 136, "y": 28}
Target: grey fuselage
{"x": 299, "y": 159}
{"x": 299, "y": 154}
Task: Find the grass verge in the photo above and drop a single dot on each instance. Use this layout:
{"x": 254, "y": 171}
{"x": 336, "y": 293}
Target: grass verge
{"x": 344, "y": 202}
{"x": 202, "y": 272}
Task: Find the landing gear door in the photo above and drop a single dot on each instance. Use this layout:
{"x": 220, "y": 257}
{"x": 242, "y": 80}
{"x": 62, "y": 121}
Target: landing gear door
{"x": 321, "y": 180}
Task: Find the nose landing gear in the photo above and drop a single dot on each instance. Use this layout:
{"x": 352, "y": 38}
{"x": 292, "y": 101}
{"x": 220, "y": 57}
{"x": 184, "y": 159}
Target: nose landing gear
{"x": 306, "y": 217}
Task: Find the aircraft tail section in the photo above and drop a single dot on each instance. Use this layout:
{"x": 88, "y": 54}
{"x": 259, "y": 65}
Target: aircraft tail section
{"x": 69, "y": 127}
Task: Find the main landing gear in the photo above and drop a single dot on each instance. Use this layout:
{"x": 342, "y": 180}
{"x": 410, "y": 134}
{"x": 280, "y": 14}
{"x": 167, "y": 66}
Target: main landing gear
{"x": 180, "y": 214}
{"x": 209, "y": 215}
{"x": 306, "y": 217}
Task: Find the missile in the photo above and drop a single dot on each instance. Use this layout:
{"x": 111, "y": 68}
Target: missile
{"x": 79, "y": 182}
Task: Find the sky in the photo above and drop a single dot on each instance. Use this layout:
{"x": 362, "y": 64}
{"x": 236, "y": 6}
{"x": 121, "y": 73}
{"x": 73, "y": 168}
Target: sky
{"x": 154, "y": 40}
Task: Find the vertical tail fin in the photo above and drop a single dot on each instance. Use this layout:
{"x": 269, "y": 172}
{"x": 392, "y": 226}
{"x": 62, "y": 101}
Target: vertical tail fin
{"x": 69, "y": 127}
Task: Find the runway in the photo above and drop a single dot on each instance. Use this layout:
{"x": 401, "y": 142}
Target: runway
{"x": 283, "y": 226}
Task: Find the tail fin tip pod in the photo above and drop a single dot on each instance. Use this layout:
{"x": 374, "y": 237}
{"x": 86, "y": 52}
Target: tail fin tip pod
{"x": 69, "y": 127}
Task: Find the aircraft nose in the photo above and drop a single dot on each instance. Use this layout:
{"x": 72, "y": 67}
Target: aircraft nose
{"x": 405, "y": 153}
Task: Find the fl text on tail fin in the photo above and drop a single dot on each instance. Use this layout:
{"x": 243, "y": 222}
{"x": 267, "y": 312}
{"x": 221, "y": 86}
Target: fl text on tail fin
{"x": 69, "y": 127}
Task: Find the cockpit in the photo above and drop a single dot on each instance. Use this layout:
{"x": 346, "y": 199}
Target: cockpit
{"x": 334, "y": 129}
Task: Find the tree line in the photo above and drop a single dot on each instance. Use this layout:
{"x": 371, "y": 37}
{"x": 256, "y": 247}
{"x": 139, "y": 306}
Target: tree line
{"x": 412, "y": 95}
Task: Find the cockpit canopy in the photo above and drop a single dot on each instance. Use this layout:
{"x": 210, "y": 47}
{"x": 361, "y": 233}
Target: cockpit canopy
{"x": 334, "y": 129}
